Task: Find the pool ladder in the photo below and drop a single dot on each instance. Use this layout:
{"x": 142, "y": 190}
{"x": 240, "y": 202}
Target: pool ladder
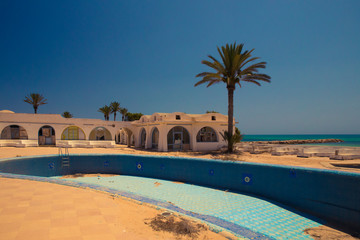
{"x": 65, "y": 158}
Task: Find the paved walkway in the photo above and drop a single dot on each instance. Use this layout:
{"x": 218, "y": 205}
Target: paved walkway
{"x": 244, "y": 215}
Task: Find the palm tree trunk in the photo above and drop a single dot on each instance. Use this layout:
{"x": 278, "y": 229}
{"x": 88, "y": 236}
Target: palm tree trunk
{"x": 114, "y": 116}
{"x": 35, "y": 109}
{"x": 230, "y": 117}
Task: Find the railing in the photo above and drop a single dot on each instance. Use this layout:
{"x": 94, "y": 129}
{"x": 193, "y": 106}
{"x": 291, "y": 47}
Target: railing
{"x": 64, "y": 155}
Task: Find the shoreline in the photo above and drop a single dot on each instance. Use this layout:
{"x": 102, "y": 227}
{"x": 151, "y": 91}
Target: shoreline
{"x": 298, "y": 141}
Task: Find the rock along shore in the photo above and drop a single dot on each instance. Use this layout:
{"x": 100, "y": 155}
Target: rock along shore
{"x": 306, "y": 141}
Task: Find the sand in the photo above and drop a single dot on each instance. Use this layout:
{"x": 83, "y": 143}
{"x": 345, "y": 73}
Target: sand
{"x": 130, "y": 215}
{"x": 40, "y": 210}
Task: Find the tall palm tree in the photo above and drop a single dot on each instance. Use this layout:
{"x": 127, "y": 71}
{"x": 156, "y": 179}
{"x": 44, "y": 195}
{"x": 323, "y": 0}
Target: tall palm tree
{"x": 106, "y": 110}
{"x": 115, "y": 107}
{"x": 36, "y": 100}
{"x": 123, "y": 112}
{"x": 67, "y": 115}
{"x": 233, "y": 69}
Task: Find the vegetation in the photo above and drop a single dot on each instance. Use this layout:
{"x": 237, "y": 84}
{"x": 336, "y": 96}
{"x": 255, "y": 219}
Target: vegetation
{"x": 211, "y": 111}
{"x": 36, "y": 100}
{"x": 233, "y": 69}
{"x": 123, "y": 112}
{"x": 67, "y": 115}
{"x": 115, "y": 107}
{"x": 106, "y": 110}
{"x": 232, "y": 139}
{"x": 133, "y": 116}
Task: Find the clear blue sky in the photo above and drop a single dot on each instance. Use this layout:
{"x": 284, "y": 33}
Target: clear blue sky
{"x": 82, "y": 55}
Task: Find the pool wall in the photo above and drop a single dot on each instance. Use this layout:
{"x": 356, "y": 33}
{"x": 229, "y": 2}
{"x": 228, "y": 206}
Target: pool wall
{"x": 331, "y": 195}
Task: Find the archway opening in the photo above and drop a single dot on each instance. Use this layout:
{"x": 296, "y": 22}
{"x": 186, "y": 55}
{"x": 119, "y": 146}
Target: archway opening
{"x": 155, "y": 138}
{"x": 73, "y": 133}
{"x": 142, "y": 138}
{"x": 206, "y": 134}
{"x": 125, "y": 136}
{"x": 46, "y": 136}
{"x": 100, "y": 134}
{"x": 178, "y": 139}
{"x": 14, "y": 132}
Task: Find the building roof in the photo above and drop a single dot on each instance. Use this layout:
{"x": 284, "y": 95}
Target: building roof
{"x": 6, "y": 111}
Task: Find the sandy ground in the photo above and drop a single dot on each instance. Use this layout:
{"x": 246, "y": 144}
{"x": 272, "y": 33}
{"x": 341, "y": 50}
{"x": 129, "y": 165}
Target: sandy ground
{"x": 134, "y": 215}
{"x": 40, "y": 210}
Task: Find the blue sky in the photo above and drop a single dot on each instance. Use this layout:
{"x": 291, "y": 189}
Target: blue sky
{"x": 82, "y": 55}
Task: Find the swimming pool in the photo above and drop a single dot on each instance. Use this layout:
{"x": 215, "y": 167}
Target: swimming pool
{"x": 330, "y": 195}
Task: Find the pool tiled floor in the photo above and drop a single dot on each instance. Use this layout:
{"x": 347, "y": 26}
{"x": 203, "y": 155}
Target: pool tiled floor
{"x": 249, "y": 212}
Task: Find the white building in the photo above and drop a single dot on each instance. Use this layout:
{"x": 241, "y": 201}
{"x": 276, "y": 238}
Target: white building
{"x": 159, "y": 131}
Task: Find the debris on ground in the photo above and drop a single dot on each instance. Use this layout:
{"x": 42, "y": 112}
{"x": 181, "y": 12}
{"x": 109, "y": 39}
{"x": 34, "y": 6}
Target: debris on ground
{"x": 328, "y": 233}
{"x": 177, "y": 225}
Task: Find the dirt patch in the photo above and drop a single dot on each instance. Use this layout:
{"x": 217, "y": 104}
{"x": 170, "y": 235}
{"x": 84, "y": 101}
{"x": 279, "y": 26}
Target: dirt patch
{"x": 157, "y": 184}
{"x": 176, "y": 225}
{"x": 328, "y": 233}
{"x": 77, "y": 175}
{"x": 177, "y": 182}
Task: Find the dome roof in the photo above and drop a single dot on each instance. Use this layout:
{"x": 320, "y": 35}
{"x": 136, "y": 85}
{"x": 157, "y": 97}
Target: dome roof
{"x": 6, "y": 111}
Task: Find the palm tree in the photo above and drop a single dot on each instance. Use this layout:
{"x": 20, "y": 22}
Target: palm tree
{"x": 67, "y": 115}
{"x": 233, "y": 69}
{"x": 106, "y": 110}
{"x": 115, "y": 107}
{"x": 36, "y": 100}
{"x": 123, "y": 112}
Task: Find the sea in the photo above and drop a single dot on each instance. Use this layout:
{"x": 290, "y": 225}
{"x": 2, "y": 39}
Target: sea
{"x": 350, "y": 140}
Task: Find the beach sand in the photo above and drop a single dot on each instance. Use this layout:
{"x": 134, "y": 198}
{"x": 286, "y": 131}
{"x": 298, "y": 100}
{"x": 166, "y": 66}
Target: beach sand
{"x": 28, "y": 207}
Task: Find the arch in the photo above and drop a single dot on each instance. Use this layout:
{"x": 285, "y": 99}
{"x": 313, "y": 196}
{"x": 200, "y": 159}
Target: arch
{"x": 142, "y": 138}
{"x": 206, "y": 134}
{"x": 178, "y": 139}
{"x": 125, "y": 136}
{"x": 100, "y": 134}
{"x": 155, "y": 138}
{"x": 46, "y": 135}
{"x": 73, "y": 133}
{"x": 14, "y": 132}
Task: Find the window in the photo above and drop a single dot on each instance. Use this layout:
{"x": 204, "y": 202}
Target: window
{"x": 206, "y": 134}
{"x": 178, "y": 117}
{"x": 213, "y": 118}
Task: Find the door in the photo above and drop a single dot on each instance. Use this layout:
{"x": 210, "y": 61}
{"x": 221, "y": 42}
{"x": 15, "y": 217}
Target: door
{"x": 178, "y": 140}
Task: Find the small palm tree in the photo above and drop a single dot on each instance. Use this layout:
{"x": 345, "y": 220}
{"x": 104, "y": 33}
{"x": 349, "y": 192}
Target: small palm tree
{"x": 67, "y": 115}
{"x": 36, "y": 100}
{"x": 115, "y": 107}
{"x": 106, "y": 110}
{"x": 123, "y": 112}
{"x": 233, "y": 69}
{"x": 232, "y": 140}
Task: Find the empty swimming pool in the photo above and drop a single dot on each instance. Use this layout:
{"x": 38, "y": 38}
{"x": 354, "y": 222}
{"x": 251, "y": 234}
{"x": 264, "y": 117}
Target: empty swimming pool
{"x": 251, "y": 200}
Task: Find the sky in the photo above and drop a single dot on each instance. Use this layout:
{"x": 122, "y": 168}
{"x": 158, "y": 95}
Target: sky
{"x": 84, "y": 54}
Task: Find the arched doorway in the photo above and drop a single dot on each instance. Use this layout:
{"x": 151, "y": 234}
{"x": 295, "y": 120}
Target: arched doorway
{"x": 155, "y": 138}
{"x": 178, "y": 139}
{"x": 142, "y": 138}
{"x": 14, "y": 132}
{"x": 100, "y": 133}
{"x": 46, "y": 135}
{"x": 73, "y": 133}
{"x": 125, "y": 136}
